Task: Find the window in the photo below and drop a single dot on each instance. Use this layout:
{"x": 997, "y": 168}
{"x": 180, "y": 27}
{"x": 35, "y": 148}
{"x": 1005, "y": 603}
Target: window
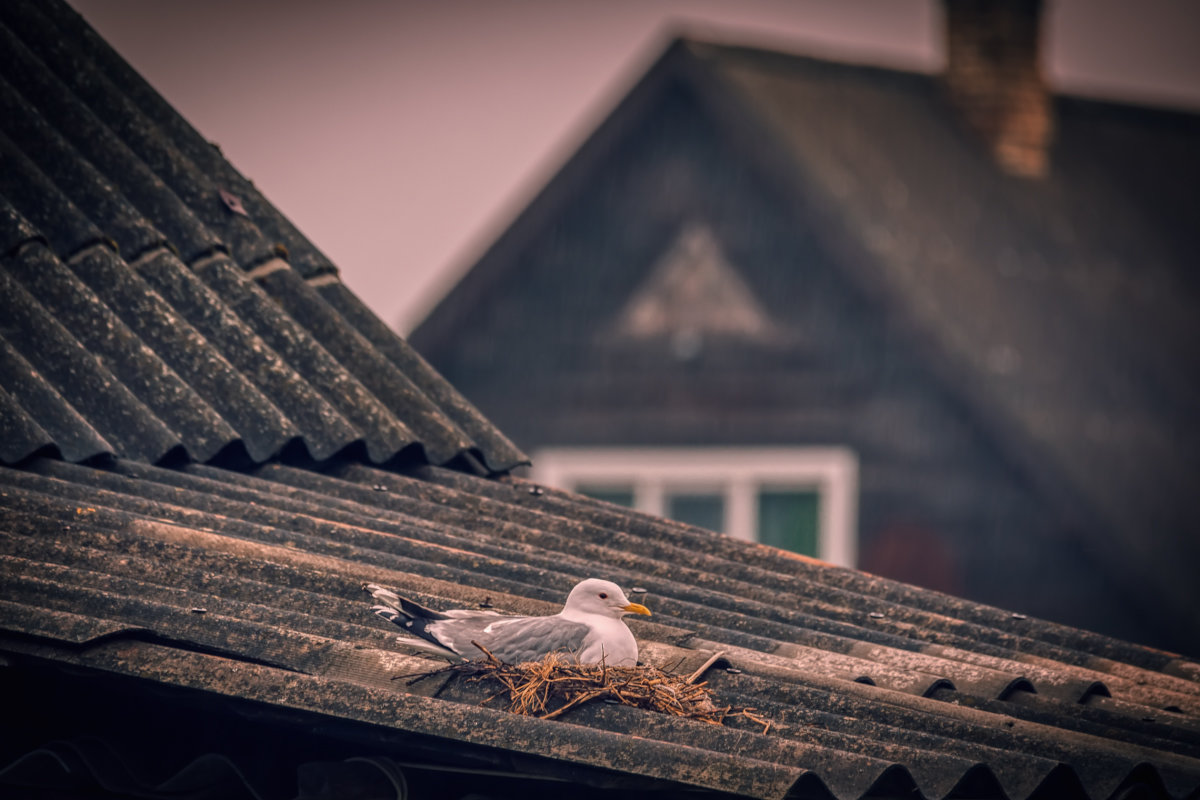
{"x": 802, "y": 499}
{"x": 705, "y": 509}
{"x": 617, "y": 495}
{"x": 789, "y": 519}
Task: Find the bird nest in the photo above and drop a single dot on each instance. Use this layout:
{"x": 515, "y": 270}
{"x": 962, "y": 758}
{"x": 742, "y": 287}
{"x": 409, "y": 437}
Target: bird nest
{"x": 549, "y": 688}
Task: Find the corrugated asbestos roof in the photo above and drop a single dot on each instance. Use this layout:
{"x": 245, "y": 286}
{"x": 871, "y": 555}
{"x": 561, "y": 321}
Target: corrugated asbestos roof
{"x": 249, "y": 585}
{"x": 175, "y": 355}
{"x": 156, "y": 307}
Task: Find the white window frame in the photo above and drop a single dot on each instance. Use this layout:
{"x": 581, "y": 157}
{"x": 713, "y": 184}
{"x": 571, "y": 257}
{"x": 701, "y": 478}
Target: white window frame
{"x": 737, "y": 473}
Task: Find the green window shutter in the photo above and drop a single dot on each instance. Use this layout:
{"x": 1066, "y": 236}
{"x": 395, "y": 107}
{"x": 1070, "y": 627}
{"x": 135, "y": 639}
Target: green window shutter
{"x": 704, "y": 509}
{"x": 620, "y": 495}
{"x": 789, "y": 520}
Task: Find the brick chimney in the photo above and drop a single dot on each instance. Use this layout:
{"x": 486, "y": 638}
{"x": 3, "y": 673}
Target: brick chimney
{"x": 994, "y": 77}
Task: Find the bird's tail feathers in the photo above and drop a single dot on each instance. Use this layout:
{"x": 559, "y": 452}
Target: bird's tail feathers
{"x": 385, "y": 596}
{"x": 425, "y": 646}
{"x": 390, "y": 614}
{"x": 409, "y": 608}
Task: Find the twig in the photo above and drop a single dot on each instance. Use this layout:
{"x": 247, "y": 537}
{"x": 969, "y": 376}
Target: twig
{"x": 704, "y": 667}
{"x": 534, "y": 689}
{"x": 579, "y": 698}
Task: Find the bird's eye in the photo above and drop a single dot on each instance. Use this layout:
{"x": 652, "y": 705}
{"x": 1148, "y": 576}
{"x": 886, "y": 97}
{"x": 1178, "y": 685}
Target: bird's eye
{"x": 604, "y": 595}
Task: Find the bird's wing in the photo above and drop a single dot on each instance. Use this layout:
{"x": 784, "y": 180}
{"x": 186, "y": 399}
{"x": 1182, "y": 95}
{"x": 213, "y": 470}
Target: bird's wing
{"x": 513, "y": 640}
{"x": 451, "y": 633}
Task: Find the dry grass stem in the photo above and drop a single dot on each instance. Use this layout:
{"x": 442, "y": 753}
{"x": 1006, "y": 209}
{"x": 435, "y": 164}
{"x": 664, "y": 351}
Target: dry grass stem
{"x": 556, "y": 684}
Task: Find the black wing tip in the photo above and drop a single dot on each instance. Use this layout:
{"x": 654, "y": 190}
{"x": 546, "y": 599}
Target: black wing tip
{"x": 405, "y": 606}
{"x": 416, "y": 627}
{"x": 390, "y": 614}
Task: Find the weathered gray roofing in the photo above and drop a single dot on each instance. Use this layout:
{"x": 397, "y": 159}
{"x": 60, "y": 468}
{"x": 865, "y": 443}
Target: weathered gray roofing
{"x": 249, "y": 585}
{"x": 140, "y": 342}
{"x": 155, "y": 306}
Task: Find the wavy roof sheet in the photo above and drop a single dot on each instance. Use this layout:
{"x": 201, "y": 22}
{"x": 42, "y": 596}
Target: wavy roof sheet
{"x": 249, "y": 586}
{"x": 156, "y": 307}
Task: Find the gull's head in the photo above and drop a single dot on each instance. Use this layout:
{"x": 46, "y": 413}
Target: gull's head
{"x": 596, "y": 596}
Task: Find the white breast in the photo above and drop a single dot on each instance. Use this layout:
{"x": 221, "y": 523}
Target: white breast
{"x": 610, "y": 641}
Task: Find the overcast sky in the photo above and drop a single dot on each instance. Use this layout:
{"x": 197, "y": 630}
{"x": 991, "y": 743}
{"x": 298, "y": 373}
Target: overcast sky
{"x": 402, "y": 137}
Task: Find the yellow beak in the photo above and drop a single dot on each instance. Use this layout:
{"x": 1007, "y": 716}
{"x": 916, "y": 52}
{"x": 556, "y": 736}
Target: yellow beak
{"x": 636, "y": 608}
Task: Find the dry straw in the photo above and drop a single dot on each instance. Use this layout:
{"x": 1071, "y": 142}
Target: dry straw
{"x": 556, "y": 684}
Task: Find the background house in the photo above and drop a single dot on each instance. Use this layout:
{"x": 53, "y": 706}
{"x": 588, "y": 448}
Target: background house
{"x": 959, "y": 307}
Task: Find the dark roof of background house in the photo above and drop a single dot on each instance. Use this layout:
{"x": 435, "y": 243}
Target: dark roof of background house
{"x": 1063, "y": 308}
{"x": 1060, "y": 311}
{"x": 147, "y": 592}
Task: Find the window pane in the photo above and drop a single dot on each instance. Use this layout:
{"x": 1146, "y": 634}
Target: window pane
{"x": 621, "y": 495}
{"x": 707, "y": 510}
{"x": 788, "y": 520}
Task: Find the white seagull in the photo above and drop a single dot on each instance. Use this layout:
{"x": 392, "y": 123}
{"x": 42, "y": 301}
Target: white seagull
{"x": 589, "y": 627}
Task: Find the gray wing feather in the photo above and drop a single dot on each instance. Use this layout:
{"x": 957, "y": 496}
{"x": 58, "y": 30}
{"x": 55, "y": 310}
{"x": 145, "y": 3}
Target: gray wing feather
{"x": 510, "y": 639}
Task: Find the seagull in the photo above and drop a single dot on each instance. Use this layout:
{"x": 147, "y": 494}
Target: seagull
{"x": 589, "y": 627}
